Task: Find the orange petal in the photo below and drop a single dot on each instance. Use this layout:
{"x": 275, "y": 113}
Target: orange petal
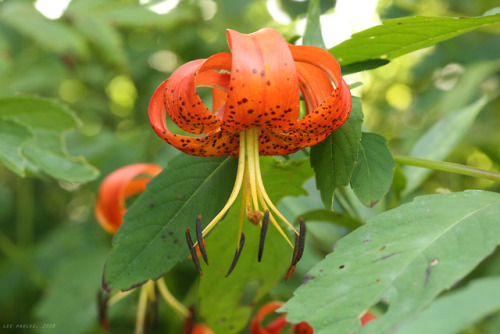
{"x": 183, "y": 105}
{"x": 264, "y": 89}
{"x": 317, "y": 125}
{"x": 201, "y": 329}
{"x": 116, "y": 188}
{"x": 213, "y": 144}
{"x": 318, "y": 57}
{"x": 264, "y": 311}
{"x": 315, "y": 85}
{"x": 368, "y": 316}
{"x": 302, "y": 328}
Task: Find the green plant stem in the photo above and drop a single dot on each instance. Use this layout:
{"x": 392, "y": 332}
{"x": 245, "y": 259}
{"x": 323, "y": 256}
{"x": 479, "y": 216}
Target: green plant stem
{"x": 24, "y": 207}
{"x": 447, "y": 167}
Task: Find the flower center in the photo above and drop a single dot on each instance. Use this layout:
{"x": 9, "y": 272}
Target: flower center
{"x": 256, "y": 205}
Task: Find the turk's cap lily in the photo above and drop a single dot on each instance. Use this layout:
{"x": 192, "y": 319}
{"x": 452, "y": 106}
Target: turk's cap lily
{"x": 116, "y": 188}
{"x": 256, "y": 91}
{"x": 257, "y": 85}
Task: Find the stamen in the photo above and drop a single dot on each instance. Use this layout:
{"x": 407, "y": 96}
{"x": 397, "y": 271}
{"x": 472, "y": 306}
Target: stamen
{"x": 192, "y": 250}
{"x": 236, "y": 189}
{"x": 254, "y": 216}
{"x": 237, "y": 254}
{"x": 263, "y": 231}
{"x": 102, "y": 306}
{"x": 170, "y": 299}
{"x": 199, "y": 236}
{"x": 298, "y": 250}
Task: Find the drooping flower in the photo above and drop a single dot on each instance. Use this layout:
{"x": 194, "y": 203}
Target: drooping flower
{"x": 277, "y": 325}
{"x": 116, "y": 188}
{"x": 110, "y": 208}
{"x": 255, "y": 111}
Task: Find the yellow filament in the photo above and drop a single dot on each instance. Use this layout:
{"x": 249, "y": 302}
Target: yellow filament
{"x": 119, "y": 296}
{"x": 237, "y": 186}
{"x": 142, "y": 307}
{"x": 274, "y": 222}
{"x": 262, "y": 191}
{"x": 170, "y": 299}
{"x": 252, "y": 146}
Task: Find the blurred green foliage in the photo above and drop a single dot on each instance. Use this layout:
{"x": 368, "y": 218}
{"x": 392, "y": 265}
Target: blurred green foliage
{"x": 104, "y": 58}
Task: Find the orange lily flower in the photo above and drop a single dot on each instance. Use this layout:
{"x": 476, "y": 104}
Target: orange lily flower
{"x": 109, "y": 210}
{"x": 277, "y": 325}
{"x": 255, "y": 111}
{"x": 116, "y": 188}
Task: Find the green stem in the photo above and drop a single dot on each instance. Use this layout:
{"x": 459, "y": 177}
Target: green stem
{"x": 25, "y": 207}
{"x": 447, "y": 167}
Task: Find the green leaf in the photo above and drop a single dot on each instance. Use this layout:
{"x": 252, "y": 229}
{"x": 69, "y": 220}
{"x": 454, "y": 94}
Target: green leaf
{"x": 47, "y": 121}
{"x": 152, "y": 238}
{"x": 398, "y": 37}
{"x": 71, "y": 299}
{"x": 440, "y": 140}
{"x": 404, "y": 257}
{"x": 226, "y": 303}
{"x": 363, "y": 66}
{"x": 333, "y": 159}
{"x": 48, "y": 153}
{"x": 372, "y": 175}
{"x": 53, "y": 35}
{"x": 312, "y": 35}
{"x": 458, "y": 310}
{"x": 12, "y": 137}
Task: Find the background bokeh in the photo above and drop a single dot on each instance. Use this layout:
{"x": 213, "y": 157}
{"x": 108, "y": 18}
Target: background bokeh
{"x": 104, "y": 58}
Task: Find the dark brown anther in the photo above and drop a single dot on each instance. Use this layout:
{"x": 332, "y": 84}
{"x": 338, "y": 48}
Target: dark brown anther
{"x": 199, "y": 236}
{"x": 102, "y": 306}
{"x": 236, "y": 255}
{"x": 298, "y": 250}
{"x": 263, "y": 231}
{"x": 192, "y": 250}
{"x": 189, "y": 322}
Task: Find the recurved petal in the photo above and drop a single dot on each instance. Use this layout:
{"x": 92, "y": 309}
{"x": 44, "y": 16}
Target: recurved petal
{"x": 264, "y": 88}
{"x": 327, "y": 117}
{"x": 116, "y": 188}
{"x": 215, "y": 143}
{"x": 315, "y": 85}
{"x": 318, "y": 57}
{"x": 183, "y": 105}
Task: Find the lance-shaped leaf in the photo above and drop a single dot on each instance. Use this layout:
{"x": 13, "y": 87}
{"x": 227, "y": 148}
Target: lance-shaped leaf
{"x": 333, "y": 159}
{"x": 404, "y": 257}
{"x": 397, "y": 37}
{"x": 227, "y": 305}
{"x": 457, "y": 310}
{"x": 152, "y": 239}
{"x": 372, "y": 175}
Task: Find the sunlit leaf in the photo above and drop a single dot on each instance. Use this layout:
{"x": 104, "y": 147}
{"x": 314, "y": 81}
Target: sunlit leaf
{"x": 440, "y": 140}
{"x": 152, "y": 238}
{"x": 372, "y": 174}
{"x": 226, "y": 303}
{"x": 333, "y": 159}
{"x": 458, "y": 310}
{"x": 404, "y": 257}
{"x": 397, "y": 37}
